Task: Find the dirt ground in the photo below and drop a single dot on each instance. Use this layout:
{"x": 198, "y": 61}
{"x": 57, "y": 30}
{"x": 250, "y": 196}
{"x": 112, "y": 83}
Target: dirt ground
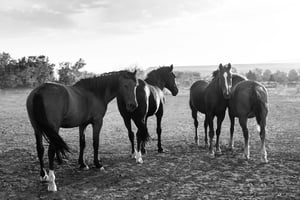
{"x": 185, "y": 171}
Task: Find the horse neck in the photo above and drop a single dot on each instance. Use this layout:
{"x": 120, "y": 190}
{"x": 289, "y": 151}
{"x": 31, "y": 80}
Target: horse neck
{"x": 156, "y": 81}
{"x": 104, "y": 88}
{"x": 216, "y": 87}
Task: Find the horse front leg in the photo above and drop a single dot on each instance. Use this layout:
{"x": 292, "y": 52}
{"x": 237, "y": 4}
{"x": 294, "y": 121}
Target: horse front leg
{"x": 205, "y": 133}
{"x": 210, "y": 119}
{"x": 81, "y": 162}
{"x": 127, "y": 122}
{"x": 142, "y": 130}
{"x": 159, "y": 115}
{"x": 196, "y": 123}
{"x": 231, "y": 142}
{"x": 220, "y": 119}
{"x": 96, "y": 132}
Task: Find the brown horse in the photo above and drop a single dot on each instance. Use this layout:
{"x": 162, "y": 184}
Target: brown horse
{"x": 211, "y": 99}
{"x": 250, "y": 99}
{"x": 51, "y": 106}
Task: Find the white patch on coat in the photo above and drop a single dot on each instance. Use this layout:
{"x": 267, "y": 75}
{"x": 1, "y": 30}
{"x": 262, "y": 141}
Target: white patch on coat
{"x": 226, "y": 84}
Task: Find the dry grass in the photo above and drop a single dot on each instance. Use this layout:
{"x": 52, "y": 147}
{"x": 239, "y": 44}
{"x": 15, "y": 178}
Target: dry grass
{"x": 185, "y": 171}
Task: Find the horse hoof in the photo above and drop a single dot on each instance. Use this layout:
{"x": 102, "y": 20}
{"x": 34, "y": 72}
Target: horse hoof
{"x": 218, "y": 152}
{"x": 133, "y": 156}
{"x": 246, "y": 157}
{"x": 52, "y": 187}
{"x": 44, "y": 179}
{"x": 102, "y": 169}
{"x": 211, "y": 154}
{"x": 161, "y": 150}
{"x": 140, "y": 161}
{"x": 264, "y": 160}
{"x": 84, "y": 167}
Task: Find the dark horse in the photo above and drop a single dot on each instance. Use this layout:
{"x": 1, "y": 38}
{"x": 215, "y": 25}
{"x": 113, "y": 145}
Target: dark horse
{"x": 211, "y": 98}
{"x": 197, "y": 104}
{"x": 51, "y": 106}
{"x": 150, "y": 98}
{"x": 250, "y": 99}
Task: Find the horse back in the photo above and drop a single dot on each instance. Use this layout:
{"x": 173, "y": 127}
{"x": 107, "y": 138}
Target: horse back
{"x": 197, "y": 92}
{"x": 48, "y": 99}
{"x": 247, "y": 97}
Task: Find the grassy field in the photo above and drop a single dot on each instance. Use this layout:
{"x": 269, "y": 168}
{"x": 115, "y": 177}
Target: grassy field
{"x": 185, "y": 171}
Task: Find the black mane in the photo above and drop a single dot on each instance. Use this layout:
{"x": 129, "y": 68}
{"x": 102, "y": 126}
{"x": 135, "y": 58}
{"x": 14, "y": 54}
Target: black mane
{"x": 98, "y": 84}
{"x": 153, "y": 76}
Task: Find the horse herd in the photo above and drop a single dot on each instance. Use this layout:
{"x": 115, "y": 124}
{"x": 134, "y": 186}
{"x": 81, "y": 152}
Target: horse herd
{"x": 52, "y": 106}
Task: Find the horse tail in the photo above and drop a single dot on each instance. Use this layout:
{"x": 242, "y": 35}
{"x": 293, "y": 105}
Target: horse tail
{"x": 48, "y": 132}
{"x": 261, "y": 105}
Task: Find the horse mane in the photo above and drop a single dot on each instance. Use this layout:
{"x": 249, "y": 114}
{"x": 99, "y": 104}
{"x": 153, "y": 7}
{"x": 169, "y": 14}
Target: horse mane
{"x": 152, "y": 75}
{"x": 98, "y": 84}
{"x": 215, "y": 74}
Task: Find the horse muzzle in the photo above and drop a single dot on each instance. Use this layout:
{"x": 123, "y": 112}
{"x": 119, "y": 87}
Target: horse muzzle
{"x": 175, "y": 91}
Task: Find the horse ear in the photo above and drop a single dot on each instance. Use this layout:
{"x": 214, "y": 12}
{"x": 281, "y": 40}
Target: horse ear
{"x": 171, "y": 67}
{"x": 134, "y": 73}
{"x": 220, "y": 66}
{"x": 229, "y": 66}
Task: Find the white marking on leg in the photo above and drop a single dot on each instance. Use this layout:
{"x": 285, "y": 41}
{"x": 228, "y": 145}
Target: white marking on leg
{"x": 52, "y": 186}
{"x": 258, "y": 128}
{"x": 263, "y": 152}
{"x": 139, "y": 157}
{"x": 45, "y": 178}
{"x": 231, "y": 143}
{"x": 134, "y": 154}
{"x": 247, "y": 151}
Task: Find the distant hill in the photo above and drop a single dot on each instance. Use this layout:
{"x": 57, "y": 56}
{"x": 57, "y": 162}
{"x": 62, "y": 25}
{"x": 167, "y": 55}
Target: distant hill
{"x": 205, "y": 70}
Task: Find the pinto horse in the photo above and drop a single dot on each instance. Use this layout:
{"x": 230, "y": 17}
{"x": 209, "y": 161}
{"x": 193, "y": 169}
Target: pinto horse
{"x": 51, "y": 106}
{"x": 210, "y": 98}
{"x": 250, "y": 99}
{"x": 150, "y": 98}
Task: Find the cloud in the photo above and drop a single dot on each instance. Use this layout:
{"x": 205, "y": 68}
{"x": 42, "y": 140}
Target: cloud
{"x": 101, "y": 16}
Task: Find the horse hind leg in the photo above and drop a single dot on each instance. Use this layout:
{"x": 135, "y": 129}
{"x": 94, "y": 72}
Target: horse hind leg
{"x": 40, "y": 150}
{"x": 159, "y": 115}
{"x": 51, "y": 153}
{"x": 262, "y": 132}
{"x": 243, "y": 124}
{"x": 196, "y": 123}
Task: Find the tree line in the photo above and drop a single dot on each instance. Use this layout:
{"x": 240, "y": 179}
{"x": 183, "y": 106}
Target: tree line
{"x": 34, "y": 70}
{"x": 269, "y": 76}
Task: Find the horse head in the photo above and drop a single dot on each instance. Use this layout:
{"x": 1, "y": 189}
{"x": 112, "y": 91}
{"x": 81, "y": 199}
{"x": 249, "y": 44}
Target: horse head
{"x": 169, "y": 77}
{"x": 225, "y": 79}
{"x": 127, "y": 89}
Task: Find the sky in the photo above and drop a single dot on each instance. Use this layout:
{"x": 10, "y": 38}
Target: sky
{"x": 116, "y": 34}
